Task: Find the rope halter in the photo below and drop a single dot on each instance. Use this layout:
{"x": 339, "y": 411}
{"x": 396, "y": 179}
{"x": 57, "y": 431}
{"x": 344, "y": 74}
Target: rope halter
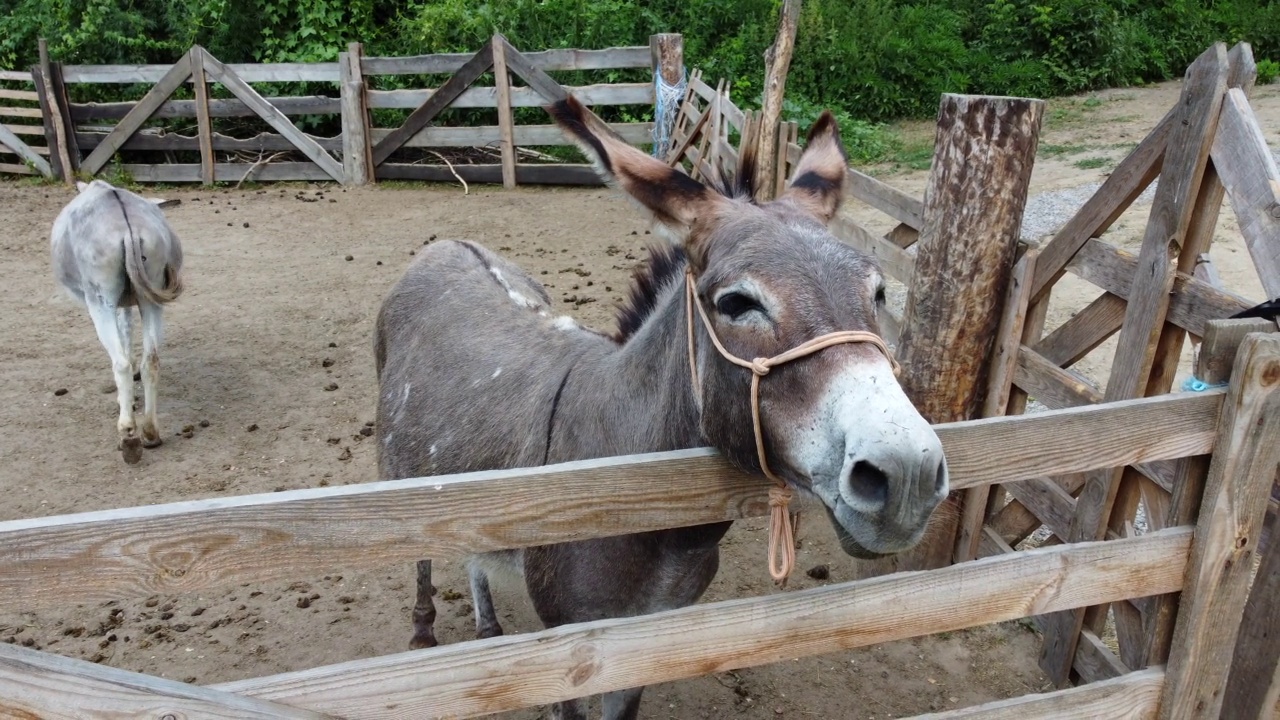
{"x": 781, "y": 528}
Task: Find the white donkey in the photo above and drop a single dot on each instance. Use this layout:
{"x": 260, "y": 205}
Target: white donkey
{"x": 113, "y": 249}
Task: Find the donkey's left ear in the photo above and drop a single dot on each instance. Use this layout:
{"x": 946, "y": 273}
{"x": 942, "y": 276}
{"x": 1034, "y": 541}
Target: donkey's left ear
{"x": 818, "y": 182}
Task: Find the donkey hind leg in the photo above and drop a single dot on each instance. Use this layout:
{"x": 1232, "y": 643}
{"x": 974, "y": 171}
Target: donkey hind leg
{"x": 569, "y": 710}
{"x": 424, "y": 610}
{"x": 110, "y": 333}
{"x": 152, "y": 330}
{"x": 487, "y": 625}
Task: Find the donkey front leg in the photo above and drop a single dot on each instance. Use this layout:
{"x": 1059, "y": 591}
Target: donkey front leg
{"x": 487, "y": 625}
{"x": 424, "y": 610}
{"x": 152, "y": 330}
{"x": 111, "y": 335}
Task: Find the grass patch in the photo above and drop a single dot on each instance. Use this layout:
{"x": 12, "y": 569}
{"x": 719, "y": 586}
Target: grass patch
{"x": 1092, "y": 163}
{"x": 1051, "y": 150}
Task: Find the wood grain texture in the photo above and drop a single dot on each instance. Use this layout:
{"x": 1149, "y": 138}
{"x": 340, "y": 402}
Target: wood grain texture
{"x": 15, "y": 75}
{"x": 1192, "y": 304}
{"x": 1051, "y": 385}
{"x": 21, "y": 149}
{"x": 357, "y": 167}
{"x": 1129, "y": 179}
{"x": 188, "y": 546}
{"x": 1095, "y": 662}
{"x": 249, "y": 72}
{"x": 525, "y": 174}
{"x": 1135, "y": 696}
{"x": 431, "y": 107}
{"x": 1004, "y": 358}
{"x": 27, "y": 95}
{"x": 486, "y": 676}
{"x": 1221, "y": 343}
{"x": 887, "y": 199}
{"x": 777, "y": 63}
{"x": 1085, "y": 331}
{"x": 1248, "y": 170}
{"x": 487, "y": 97}
{"x": 218, "y": 108}
{"x": 502, "y": 87}
{"x": 139, "y": 114}
{"x": 1253, "y": 686}
{"x": 550, "y": 60}
{"x": 203, "y": 123}
{"x": 42, "y": 685}
{"x": 892, "y": 259}
{"x": 1148, "y": 302}
{"x": 537, "y": 78}
{"x": 1048, "y": 501}
{"x": 281, "y": 171}
{"x": 1241, "y": 476}
{"x": 273, "y": 117}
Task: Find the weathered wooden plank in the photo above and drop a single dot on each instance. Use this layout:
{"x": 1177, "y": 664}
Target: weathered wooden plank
{"x": 1253, "y": 686}
{"x": 270, "y": 172}
{"x": 22, "y": 150}
{"x": 525, "y": 174}
{"x": 29, "y": 112}
{"x": 502, "y": 86}
{"x": 52, "y": 137}
{"x": 218, "y": 108}
{"x": 67, "y": 150}
{"x": 42, "y": 685}
{"x": 249, "y": 72}
{"x": 522, "y": 135}
{"x": 37, "y": 149}
{"x": 887, "y": 199}
{"x": 1130, "y": 178}
{"x": 1095, "y": 662}
{"x": 263, "y": 142}
{"x": 486, "y": 676}
{"x": 1003, "y": 361}
{"x": 27, "y": 95}
{"x": 357, "y": 163}
{"x": 24, "y": 129}
{"x": 1135, "y": 696}
{"x": 15, "y": 75}
{"x": 1056, "y": 387}
{"x": 204, "y": 126}
{"x": 1221, "y": 344}
{"x": 549, "y": 60}
{"x": 1241, "y": 476}
{"x": 1191, "y": 304}
{"x": 182, "y": 547}
{"x": 1145, "y": 312}
{"x": 487, "y": 97}
{"x": 538, "y": 79}
{"x": 139, "y": 114}
{"x": 15, "y": 169}
{"x": 271, "y": 115}
{"x": 1085, "y": 331}
{"x": 1247, "y": 168}
{"x": 1046, "y": 500}
{"x": 892, "y": 259}
{"x": 439, "y": 100}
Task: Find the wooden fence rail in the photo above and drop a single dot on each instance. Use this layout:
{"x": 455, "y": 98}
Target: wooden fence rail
{"x": 361, "y": 152}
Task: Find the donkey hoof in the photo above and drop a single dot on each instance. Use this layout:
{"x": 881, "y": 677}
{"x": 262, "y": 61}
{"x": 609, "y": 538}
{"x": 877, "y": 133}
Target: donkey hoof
{"x": 489, "y": 631}
{"x": 131, "y": 449}
{"x": 423, "y": 640}
{"x": 150, "y": 443}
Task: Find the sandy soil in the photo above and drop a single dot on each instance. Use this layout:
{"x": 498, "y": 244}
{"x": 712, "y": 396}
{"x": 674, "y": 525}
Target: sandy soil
{"x": 283, "y": 287}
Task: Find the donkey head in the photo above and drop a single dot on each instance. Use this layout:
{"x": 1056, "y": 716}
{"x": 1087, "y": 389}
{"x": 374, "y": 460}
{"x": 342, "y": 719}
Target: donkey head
{"x": 770, "y": 277}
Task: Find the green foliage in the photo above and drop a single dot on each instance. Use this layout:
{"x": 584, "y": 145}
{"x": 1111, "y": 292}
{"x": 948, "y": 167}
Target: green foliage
{"x": 870, "y": 60}
{"x": 1267, "y": 71}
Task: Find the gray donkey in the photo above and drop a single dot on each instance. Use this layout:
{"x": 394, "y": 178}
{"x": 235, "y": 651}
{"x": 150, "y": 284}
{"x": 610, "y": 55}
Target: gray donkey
{"x": 112, "y": 250}
{"x": 476, "y": 372}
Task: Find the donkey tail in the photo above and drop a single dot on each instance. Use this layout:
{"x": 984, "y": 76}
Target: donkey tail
{"x": 135, "y": 267}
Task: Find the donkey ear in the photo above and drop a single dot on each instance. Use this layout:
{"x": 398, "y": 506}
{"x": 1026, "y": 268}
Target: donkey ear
{"x": 675, "y": 199}
{"x": 818, "y": 182}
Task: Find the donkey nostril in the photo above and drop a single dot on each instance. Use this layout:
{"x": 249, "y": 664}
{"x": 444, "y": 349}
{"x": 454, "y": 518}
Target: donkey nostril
{"x": 940, "y": 479}
{"x": 869, "y": 482}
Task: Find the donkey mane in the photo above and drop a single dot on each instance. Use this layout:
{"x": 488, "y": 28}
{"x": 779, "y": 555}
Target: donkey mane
{"x": 665, "y": 263}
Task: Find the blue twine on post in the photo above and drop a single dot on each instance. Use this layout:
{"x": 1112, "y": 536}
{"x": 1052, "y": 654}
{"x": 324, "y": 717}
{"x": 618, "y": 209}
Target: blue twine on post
{"x": 666, "y": 103}
{"x": 1195, "y": 384}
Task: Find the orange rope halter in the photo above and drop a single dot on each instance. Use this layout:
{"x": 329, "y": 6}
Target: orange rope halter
{"x": 781, "y": 529}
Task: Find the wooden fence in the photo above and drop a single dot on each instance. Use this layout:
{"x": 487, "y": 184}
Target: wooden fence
{"x": 95, "y": 133}
{"x": 21, "y": 131}
{"x": 192, "y": 546}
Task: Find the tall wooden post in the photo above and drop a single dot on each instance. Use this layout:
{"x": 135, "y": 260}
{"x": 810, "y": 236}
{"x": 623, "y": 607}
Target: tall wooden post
{"x": 666, "y": 53}
{"x": 506, "y": 122}
{"x": 984, "y": 150}
{"x": 777, "y": 61}
{"x": 204, "y": 124}
{"x": 55, "y": 127}
{"x": 357, "y": 166}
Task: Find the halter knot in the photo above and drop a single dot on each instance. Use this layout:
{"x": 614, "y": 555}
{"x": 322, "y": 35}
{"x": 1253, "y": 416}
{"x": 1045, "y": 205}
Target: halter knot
{"x": 760, "y": 366}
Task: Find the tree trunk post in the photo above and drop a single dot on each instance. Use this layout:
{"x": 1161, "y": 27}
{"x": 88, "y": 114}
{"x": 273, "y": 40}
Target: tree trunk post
{"x": 777, "y": 61}
{"x": 984, "y": 151}
{"x": 666, "y": 52}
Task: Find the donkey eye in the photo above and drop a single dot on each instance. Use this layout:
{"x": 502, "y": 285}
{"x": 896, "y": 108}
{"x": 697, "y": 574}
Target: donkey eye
{"x": 735, "y": 305}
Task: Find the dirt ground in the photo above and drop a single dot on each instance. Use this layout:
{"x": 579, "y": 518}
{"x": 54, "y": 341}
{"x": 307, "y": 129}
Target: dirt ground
{"x": 267, "y": 366}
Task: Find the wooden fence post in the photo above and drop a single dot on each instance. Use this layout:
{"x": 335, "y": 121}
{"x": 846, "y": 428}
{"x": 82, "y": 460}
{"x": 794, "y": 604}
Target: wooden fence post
{"x": 203, "y": 123}
{"x": 506, "y": 123}
{"x": 777, "y": 63}
{"x": 356, "y": 153}
{"x": 1245, "y": 458}
{"x": 666, "y": 55}
{"x": 55, "y": 129}
{"x": 972, "y": 223}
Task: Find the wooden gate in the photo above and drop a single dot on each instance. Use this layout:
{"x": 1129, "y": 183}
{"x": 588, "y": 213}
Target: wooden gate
{"x": 18, "y": 155}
